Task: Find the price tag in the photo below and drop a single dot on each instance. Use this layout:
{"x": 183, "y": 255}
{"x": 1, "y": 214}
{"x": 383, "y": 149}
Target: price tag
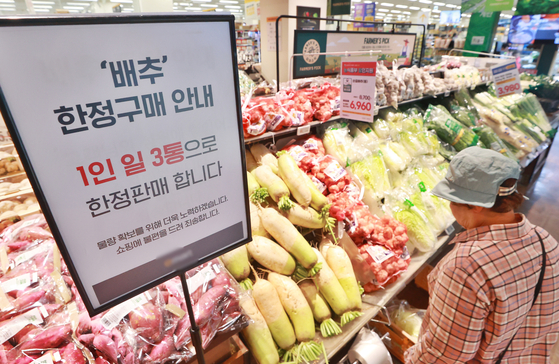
{"x": 358, "y": 79}
{"x": 447, "y": 94}
{"x": 305, "y": 129}
{"x": 449, "y": 230}
{"x": 506, "y": 78}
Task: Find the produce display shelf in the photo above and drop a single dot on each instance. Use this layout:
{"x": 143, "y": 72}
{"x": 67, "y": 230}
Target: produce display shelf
{"x": 305, "y": 129}
{"x": 20, "y": 193}
{"x": 524, "y": 162}
{"x": 375, "y": 301}
{"x": 13, "y": 176}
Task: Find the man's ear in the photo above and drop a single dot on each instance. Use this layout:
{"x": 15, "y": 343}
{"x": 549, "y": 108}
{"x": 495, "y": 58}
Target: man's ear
{"x": 478, "y": 209}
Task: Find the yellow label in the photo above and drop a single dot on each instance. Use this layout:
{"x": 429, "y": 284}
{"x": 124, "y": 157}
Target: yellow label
{"x": 61, "y": 286}
{"x": 460, "y": 134}
{"x": 175, "y": 310}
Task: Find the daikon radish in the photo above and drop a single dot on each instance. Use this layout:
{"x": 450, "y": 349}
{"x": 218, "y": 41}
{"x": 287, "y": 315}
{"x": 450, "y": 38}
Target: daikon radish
{"x": 289, "y": 237}
{"x": 296, "y": 306}
{"x": 320, "y": 309}
{"x": 333, "y": 292}
{"x": 236, "y": 262}
{"x": 339, "y": 262}
{"x": 293, "y": 178}
{"x": 270, "y": 306}
{"x": 270, "y": 255}
{"x": 318, "y": 200}
{"x": 252, "y": 184}
{"x": 276, "y": 187}
{"x": 251, "y": 162}
{"x": 305, "y": 217}
{"x": 256, "y": 223}
{"x": 264, "y": 157}
{"x": 257, "y": 334}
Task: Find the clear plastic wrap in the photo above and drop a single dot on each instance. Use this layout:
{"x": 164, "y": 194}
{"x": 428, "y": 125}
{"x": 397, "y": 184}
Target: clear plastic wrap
{"x": 420, "y": 231}
{"x": 406, "y": 317}
{"x": 448, "y": 129}
{"x": 330, "y": 173}
{"x": 372, "y": 174}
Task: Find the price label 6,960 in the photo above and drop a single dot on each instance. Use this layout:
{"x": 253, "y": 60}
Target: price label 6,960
{"x": 358, "y": 78}
{"x": 506, "y": 78}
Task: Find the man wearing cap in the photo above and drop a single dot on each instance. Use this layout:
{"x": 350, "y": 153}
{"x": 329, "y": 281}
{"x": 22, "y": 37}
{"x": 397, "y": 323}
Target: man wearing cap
{"x": 495, "y": 297}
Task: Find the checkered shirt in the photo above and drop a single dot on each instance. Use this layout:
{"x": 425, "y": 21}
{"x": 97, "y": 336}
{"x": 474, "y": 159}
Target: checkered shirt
{"x": 481, "y": 294}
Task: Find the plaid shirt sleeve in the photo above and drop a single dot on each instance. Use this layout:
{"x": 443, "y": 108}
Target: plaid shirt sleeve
{"x": 455, "y": 320}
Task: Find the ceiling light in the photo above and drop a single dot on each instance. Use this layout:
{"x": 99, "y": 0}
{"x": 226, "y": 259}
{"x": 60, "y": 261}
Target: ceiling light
{"x": 78, "y": 4}
{"x": 387, "y": 4}
{"x": 395, "y": 11}
{"x": 123, "y": 1}
{"x": 425, "y": 1}
{"x": 42, "y": 6}
{"x": 513, "y": 9}
{"x": 194, "y": 8}
{"x": 42, "y": 10}
{"x": 43, "y": 2}
{"x": 209, "y": 5}
{"x": 440, "y": 4}
{"x": 232, "y": 7}
{"x": 356, "y": 1}
{"x": 175, "y": 8}
{"x": 451, "y": 6}
{"x": 436, "y": 11}
{"x": 228, "y": 2}
{"x": 425, "y": 9}
{"x": 72, "y": 8}
{"x": 8, "y": 9}
{"x": 219, "y": 10}
{"x": 201, "y": 1}
{"x": 383, "y": 10}
{"x": 7, "y": 1}
{"x": 406, "y": 12}
{"x": 7, "y": 5}
{"x": 414, "y": 8}
{"x": 402, "y": 6}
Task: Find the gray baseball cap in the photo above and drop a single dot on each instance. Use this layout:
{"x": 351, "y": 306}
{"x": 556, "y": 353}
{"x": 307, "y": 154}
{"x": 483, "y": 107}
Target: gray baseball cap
{"x": 475, "y": 175}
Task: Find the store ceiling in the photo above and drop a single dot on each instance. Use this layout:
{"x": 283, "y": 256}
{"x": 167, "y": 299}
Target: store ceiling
{"x": 388, "y": 9}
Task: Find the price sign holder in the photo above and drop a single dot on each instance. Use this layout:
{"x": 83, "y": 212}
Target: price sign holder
{"x": 358, "y": 87}
{"x": 506, "y": 79}
{"x": 210, "y": 37}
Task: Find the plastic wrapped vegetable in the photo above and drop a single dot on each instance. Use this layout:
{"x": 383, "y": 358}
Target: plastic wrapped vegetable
{"x": 338, "y": 143}
{"x": 406, "y": 317}
{"x": 460, "y": 113}
{"x": 372, "y": 173}
{"x": 464, "y": 100}
{"x": 415, "y": 143}
{"x": 381, "y": 128}
{"x": 391, "y": 159}
{"x": 448, "y": 129}
{"x": 491, "y": 141}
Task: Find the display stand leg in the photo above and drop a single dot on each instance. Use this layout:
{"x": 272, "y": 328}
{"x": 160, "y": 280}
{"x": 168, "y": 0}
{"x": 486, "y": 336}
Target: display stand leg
{"x": 194, "y": 329}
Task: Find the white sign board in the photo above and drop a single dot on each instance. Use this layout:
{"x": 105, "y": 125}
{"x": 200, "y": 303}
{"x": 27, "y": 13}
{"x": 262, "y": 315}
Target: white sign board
{"x": 506, "y": 79}
{"x": 358, "y": 85}
{"x": 131, "y": 136}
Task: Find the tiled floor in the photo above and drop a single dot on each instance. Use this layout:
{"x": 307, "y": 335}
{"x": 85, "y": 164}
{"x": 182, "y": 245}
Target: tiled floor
{"x": 542, "y": 208}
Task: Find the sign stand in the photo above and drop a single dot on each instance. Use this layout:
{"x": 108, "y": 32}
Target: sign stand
{"x": 194, "y": 329}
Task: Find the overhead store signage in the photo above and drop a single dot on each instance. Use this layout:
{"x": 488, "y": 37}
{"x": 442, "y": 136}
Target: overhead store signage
{"x": 252, "y": 10}
{"x": 339, "y": 7}
{"x": 499, "y": 5}
{"x": 531, "y": 7}
{"x": 506, "y": 79}
{"x": 133, "y": 149}
{"x": 357, "y": 98}
{"x": 308, "y": 12}
{"x": 481, "y": 31}
{"x": 392, "y": 47}
{"x": 364, "y": 12}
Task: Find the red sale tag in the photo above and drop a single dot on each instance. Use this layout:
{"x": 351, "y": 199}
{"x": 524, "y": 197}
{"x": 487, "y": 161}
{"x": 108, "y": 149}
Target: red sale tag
{"x": 358, "y": 78}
